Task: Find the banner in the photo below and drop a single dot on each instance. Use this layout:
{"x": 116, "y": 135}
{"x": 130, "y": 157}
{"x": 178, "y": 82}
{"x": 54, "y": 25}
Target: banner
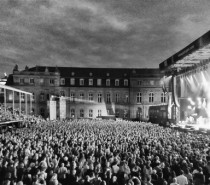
{"x": 52, "y": 110}
{"x": 62, "y": 108}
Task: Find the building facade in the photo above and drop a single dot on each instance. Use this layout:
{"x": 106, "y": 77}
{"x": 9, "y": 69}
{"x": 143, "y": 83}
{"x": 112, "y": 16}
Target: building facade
{"x": 91, "y": 92}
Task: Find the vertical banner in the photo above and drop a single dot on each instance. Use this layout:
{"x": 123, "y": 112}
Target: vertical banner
{"x": 170, "y": 104}
{"x": 52, "y": 110}
{"x": 62, "y": 108}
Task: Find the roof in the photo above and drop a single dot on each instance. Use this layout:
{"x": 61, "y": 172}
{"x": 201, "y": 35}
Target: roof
{"x": 98, "y": 72}
{"x": 190, "y": 56}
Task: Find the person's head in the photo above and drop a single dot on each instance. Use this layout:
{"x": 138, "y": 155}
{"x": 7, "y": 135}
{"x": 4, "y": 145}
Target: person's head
{"x": 160, "y": 175}
{"x": 174, "y": 180}
{"x": 114, "y": 178}
{"x": 200, "y": 169}
{"x": 62, "y": 164}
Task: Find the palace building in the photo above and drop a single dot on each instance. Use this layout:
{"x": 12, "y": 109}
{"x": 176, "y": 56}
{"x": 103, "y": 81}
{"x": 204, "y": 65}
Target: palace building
{"x": 89, "y": 92}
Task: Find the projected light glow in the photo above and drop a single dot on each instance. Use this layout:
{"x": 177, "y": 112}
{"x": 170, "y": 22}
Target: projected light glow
{"x": 197, "y": 85}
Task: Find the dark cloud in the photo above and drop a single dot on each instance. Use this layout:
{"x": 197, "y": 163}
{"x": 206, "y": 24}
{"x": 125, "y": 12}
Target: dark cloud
{"x": 93, "y": 33}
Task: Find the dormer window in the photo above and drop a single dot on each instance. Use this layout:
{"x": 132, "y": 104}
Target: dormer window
{"x": 21, "y": 80}
{"x": 117, "y": 82}
{"x": 108, "y": 82}
{"x": 90, "y": 82}
{"x": 62, "y": 81}
{"x": 125, "y": 82}
{"x": 31, "y": 80}
{"x": 81, "y": 81}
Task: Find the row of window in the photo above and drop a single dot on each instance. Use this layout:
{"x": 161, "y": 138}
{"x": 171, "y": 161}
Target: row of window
{"x": 90, "y": 113}
{"x": 99, "y": 98}
{"x": 151, "y": 97}
{"x": 90, "y": 82}
{"x": 81, "y": 81}
{"x": 117, "y": 97}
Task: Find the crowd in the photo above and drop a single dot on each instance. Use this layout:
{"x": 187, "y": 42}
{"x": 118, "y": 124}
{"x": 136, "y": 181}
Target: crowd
{"x": 102, "y": 152}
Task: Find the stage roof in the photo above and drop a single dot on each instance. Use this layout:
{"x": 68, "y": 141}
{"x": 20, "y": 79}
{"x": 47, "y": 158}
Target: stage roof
{"x": 191, "y": 56}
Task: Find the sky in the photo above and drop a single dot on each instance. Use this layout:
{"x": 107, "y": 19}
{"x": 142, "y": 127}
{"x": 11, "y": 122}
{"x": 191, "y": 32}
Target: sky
{"x": 97, "y": 33}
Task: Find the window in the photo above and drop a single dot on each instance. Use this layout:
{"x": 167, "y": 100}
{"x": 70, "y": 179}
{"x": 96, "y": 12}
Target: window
{"x": 108, "y": 98}
{"x": 99, "y": 113}
{"x": 99, "y": 82}
{"x": 117, "y": 82}
{"x": 42, "y": 97}
{"x": 21, "y": 80}
{"x": 62, "y": 93}
{"x": 72, "y": 113}
{"x": 139, "y": 82}
{"x": 90, "y": 113}
{"x": 81, "y": 82}
{"x": 126, "y": 98}
{"x": 42, "y": 111}
{"x": 126, "y": 82}
{"x": 138, "y": 97}
{"x": 163, "y": 97}
{"x": 31, "y": 80}
{"x": 108, "y": 82}
{"x": 117, "y": 113}
{"x": 90, "y": 96}
{"x": 81, "y": 113}
{"x": 91, "y": 82}
{"x": 62, "y": 81}
{"x": 72, "y": 96}
{"x": 151, "y": 97}
{"x": 117, "y": 97}
{"x": 99, "y": 97}
{"x": 48, "y": 96}
{"x": 52, "y": 81}
{"x": 72, "y": 81}
{"x": 81, "y": 96}
{"x": 125, "y": 115}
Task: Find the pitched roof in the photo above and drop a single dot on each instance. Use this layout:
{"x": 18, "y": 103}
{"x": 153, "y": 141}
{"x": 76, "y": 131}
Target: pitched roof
{"x": 98, "y": 72}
